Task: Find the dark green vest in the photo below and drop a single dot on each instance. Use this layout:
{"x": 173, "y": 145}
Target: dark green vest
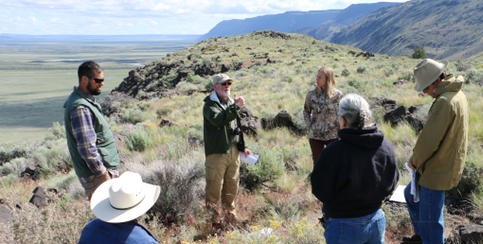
{"x": 106, "y": 144}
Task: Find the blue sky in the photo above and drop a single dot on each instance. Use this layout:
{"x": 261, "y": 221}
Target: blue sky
{"x": 98, "y": 17}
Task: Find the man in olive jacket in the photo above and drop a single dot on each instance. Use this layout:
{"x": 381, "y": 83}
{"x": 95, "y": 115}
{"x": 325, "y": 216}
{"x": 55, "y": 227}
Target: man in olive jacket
{"x": 223, "y": 141}
{"x": 91, "y": 142}
{"x": 440, "y": 151}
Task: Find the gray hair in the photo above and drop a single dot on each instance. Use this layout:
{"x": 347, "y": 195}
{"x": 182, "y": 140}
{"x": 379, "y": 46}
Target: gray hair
{"x": 355, "y": 109}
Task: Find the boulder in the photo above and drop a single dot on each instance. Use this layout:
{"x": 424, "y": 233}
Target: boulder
{"x": 396, "y": 116}
{"x": 466, "y": 234}
{"x": 248, "y": 122}
{"x": 282, "y": 119}
{"x": 33, "y": 174}
{"x": 42, "y": 197}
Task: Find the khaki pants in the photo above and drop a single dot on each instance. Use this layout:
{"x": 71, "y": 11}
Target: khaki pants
{"x": 222, "y": 179}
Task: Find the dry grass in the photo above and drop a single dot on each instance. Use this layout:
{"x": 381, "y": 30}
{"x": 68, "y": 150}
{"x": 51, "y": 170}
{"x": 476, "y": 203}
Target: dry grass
{"x": 283, "y": 209}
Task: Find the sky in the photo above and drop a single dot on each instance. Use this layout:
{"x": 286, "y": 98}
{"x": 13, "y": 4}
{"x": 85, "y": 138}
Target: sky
{"x": 133, "y": 17}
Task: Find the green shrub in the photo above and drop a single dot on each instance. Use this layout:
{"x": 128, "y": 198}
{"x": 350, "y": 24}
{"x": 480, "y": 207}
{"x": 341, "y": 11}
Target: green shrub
{"x": 133, "y": 116}
{"x": 345, "y": 72}
{"x": 269, "y": 168}
{"x": 355, "y": 83}
{"x": 474, "y": 77}
{"x": 361, "y": 70}
{"x": 139, "y": 140}
{"x": 182, "y": 187}
{"x": 10, "y": 152}
{"x": 143, "y": 106}
{"x": 419, "y": 53}
{"x": 57, "y": 131}
{"x": 52, "y": 158}
{"x": 162, "y": 112}
{"x": 14, "y": 166}
{"x": 470, "y": 184}
{"x": 288, "y": 206}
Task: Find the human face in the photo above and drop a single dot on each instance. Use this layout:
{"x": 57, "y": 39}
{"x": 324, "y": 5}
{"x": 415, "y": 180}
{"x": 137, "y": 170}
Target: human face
{"x": 223, "y": 89}
{"x": 320, "y": 80}
{"x": 430, "y": 90}
{"x": 94, "y": 84}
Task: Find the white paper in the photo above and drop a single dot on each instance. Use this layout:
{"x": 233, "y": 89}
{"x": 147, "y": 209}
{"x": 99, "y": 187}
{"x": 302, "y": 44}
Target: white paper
{"x": 414, "y": 189}
{"x": 398, "y": 194}
{"x": 249, "y": 159}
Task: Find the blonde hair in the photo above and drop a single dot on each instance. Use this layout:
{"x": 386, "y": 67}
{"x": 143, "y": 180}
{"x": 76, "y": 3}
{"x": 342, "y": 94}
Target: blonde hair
{"x": 329, "y": 79}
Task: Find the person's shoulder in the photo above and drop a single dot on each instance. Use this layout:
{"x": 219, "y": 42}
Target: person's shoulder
{"x": 338, "y": 93}
{"x": 312, "y": 93}
{"x": 95, "y": 222}
{"x": 334, "y": 146}
{"x": 312, "y": 90}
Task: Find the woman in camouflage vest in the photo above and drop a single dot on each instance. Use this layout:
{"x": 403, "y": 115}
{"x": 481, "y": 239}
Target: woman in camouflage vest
{"x": 320, "y": 111}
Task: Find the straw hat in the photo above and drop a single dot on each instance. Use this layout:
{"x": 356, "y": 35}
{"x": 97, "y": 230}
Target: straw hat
{"x": 123, "y": 199}
{"x": 426, "y": 72}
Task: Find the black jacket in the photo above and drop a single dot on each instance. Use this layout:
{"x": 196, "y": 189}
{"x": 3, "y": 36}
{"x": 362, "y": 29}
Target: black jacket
{"x": 355, "y": 174}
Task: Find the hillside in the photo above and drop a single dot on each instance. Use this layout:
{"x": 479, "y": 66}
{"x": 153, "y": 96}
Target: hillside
{"x": 297, "y": 21}
{"x": 155, "y": 114}
{"x": 450, "y": 29}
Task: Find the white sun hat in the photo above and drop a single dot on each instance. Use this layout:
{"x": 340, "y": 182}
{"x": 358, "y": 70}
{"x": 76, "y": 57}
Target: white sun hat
{"x": 426, "y": 72}
{"x": 123, "y": 199}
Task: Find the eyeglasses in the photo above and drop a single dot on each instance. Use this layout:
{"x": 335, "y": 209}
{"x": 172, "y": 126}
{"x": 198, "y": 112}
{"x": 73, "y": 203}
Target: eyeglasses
{"x": 98, "y": 80}
{"x": 226, "y": 84}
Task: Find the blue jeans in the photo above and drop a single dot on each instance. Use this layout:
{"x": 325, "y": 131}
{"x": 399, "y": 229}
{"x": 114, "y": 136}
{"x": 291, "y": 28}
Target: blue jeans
{"x": 427, "y": 215}
{"x": 366, "y": 229}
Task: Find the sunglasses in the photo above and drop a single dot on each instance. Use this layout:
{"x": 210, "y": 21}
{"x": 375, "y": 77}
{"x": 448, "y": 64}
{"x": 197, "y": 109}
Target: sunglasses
{"x": 98, "y": 80}
{"x": 226, "y": 84}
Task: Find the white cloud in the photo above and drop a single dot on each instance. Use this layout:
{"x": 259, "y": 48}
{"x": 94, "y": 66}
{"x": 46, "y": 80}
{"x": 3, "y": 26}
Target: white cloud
{"x": 144, "y": 16}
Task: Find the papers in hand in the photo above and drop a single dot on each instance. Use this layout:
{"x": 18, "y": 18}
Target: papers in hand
{"x": 398, "y": 194}
{"x": 414, "y": 185}
{"x": 249, "y": 158}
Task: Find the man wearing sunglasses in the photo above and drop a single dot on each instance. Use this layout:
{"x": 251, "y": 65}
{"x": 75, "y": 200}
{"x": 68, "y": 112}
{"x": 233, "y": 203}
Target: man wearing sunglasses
{"x": 223, "y": 141}
{"x": 90, "y": 140}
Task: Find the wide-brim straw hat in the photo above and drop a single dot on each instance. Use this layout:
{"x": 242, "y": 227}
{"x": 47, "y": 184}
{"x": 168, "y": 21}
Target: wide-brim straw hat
{"x": 123, "y": 199}
{"x": 426, "y": 72}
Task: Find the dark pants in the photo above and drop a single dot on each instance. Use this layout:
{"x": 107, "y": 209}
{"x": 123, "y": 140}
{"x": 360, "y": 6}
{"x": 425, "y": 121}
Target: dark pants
{"x": 316, "y": 146}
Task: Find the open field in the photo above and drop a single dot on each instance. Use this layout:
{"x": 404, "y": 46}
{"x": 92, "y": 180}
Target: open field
{"x": 37, "y": 73}
{"x": 161, "y": 138}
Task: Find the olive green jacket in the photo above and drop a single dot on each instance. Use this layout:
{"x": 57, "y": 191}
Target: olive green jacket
{"x": 440, "y": 151}
{"x": 218, "y": 124}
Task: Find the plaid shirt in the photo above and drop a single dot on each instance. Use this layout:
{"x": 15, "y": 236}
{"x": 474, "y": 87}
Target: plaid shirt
{"x": 85, "y": 137}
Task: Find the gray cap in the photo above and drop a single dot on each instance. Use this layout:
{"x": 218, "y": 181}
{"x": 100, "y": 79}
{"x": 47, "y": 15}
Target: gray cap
{"x": 220, "y": 78}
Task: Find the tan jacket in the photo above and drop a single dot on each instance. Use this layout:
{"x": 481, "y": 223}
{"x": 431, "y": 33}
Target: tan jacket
{"x": 440, "y": 151}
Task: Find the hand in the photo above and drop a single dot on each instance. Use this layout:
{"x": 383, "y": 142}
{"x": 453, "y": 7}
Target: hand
{"x": 240, "y": 101}
{"x": 95, "y": 181}
{"x": 410, "y": 163}
{"x": 247, "y": 152}
{"x": 103, "y": 177}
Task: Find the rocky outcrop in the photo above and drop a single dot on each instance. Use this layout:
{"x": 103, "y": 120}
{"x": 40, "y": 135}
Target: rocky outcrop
{"x": 396, "y": 114}
{"x": 196, "y": 66}
{"x": 282, "y": 119}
